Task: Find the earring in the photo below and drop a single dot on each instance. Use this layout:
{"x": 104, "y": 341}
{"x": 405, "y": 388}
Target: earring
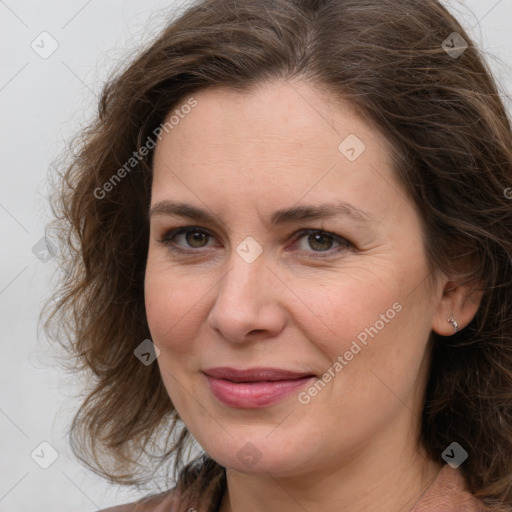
{"x": 454, "y": 323}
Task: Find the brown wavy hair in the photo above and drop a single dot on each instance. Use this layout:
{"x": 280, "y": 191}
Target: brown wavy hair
{"x": 452, "y": 150}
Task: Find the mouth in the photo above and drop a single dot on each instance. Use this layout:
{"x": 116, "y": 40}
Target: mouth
{"x": 255, "y": 387}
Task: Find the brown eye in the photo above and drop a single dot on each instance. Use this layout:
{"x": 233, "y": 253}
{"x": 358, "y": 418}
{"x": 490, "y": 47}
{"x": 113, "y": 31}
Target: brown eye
{"x": 193, "y": 238}
{"x": 196, "y": 238}
{"x": 317, "y": 243}
{"x": 321, "y": 242}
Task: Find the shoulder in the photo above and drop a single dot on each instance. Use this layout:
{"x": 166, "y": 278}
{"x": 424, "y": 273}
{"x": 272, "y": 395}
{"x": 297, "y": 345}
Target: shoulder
{"x": 154, "y": 503}
{"x": 449, "y": 492}
{"x": 202, "y": 477}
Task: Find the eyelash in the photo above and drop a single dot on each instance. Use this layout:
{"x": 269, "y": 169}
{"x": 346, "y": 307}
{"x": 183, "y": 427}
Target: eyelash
{"x": 169, "y": 236}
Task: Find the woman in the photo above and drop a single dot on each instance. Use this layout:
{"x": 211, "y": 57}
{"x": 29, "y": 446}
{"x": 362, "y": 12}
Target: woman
{"x": 290, "y": 240}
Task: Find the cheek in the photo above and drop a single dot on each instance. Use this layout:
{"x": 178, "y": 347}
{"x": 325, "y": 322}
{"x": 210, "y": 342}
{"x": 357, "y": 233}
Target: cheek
{"x": 370, "y": 318}
{"x": 345, "y": 306}
{"x": 174, "y": 303}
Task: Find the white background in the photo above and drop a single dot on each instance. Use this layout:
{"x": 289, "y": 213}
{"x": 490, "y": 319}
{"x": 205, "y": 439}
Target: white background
{"x": 43, "y": 103}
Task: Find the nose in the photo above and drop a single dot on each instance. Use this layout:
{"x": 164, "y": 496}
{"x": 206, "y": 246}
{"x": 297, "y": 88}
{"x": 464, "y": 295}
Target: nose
{"x": 249, "y": 302}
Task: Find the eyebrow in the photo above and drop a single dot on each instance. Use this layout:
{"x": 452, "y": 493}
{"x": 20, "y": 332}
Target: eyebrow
{"x": 284, "y": 216}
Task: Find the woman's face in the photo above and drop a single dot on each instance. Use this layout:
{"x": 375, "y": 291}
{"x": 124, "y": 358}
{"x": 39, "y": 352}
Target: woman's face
{"x": 269, "y": 282}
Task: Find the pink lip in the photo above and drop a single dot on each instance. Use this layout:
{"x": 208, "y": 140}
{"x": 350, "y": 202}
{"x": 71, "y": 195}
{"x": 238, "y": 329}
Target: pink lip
{"x": 256, "y": 387}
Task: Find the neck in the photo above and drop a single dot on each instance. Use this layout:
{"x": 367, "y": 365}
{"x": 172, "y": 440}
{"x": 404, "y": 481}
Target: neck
{"x": 388, "y": 484}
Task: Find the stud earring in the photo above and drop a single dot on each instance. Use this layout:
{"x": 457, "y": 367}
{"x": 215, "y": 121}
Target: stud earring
{"x": 454, "y": 323}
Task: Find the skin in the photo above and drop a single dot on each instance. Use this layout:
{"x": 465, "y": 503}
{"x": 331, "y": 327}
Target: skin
{"x": 354, "y": 446}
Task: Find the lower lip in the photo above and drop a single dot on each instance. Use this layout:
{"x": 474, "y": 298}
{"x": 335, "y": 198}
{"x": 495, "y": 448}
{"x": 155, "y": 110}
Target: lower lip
{"x": 250, "y": 395}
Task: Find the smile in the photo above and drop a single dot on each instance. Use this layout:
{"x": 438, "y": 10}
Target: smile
{"x": 259, "y": 387}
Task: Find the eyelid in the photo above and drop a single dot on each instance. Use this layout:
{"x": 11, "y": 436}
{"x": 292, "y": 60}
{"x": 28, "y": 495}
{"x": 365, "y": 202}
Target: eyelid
{"x": 170, "y": 234}
{"x": 344, "y": 243}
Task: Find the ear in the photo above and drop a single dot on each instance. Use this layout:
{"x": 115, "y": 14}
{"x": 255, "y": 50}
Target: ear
{"x": 460, "y": 300}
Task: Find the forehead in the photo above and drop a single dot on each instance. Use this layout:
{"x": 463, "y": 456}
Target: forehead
{"x": 279, "y": 141}
{"x": 274, "y": 113}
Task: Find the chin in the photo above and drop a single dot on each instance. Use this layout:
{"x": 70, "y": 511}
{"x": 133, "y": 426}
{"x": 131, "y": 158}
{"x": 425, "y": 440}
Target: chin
{"x": 261, "y": 458}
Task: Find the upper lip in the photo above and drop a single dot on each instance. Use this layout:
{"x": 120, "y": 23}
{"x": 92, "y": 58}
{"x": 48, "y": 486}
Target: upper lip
{"x": 255, "y": 374}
